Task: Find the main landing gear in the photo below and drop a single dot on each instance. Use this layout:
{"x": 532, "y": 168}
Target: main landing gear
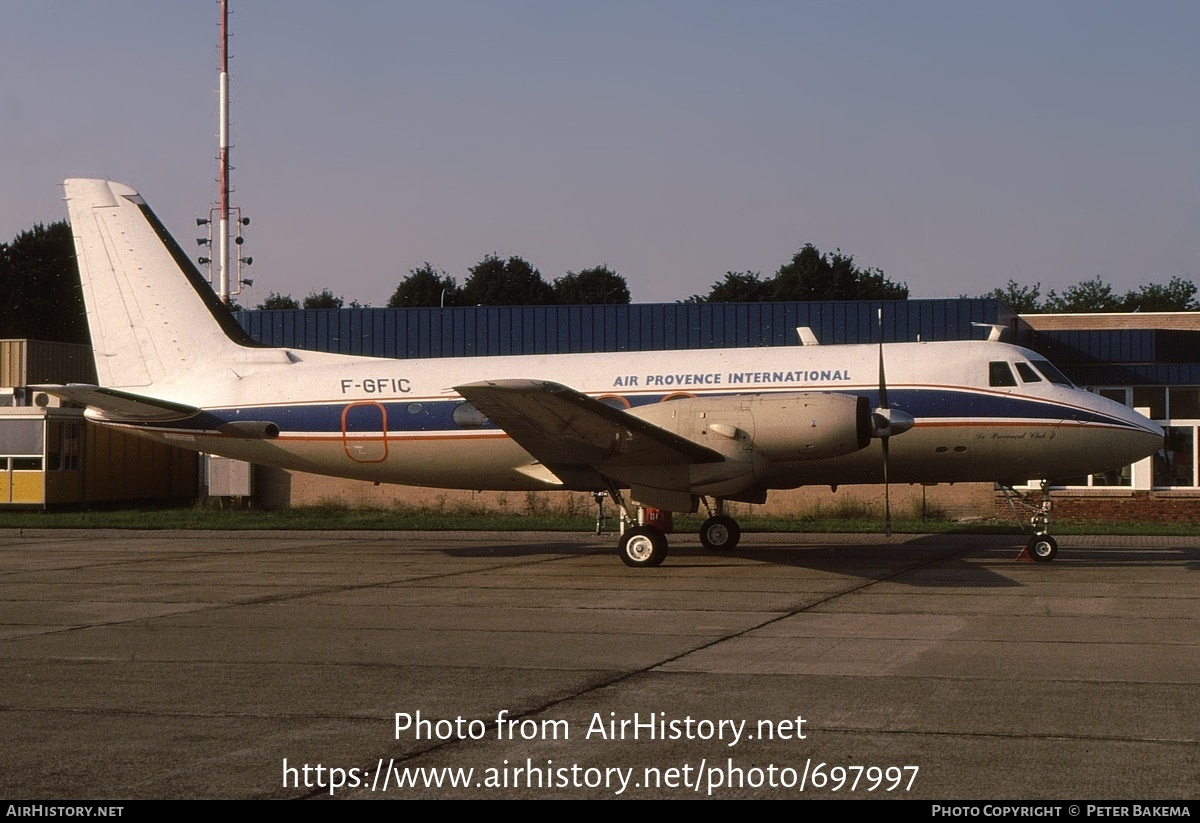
{"x": 719, "y": 533}
{"x": 645, "y": 546}
{"x": 1041, "y": 547}
{"x": 640, "y": 546}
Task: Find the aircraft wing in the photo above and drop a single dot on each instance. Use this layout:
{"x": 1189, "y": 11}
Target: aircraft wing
{"x": 115, "y": 405}
{"x": 576, "y": 437}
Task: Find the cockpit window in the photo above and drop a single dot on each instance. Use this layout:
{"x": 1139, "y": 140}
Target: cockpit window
{"x": 1028, "y": 375}
{"x": 999, "y": 374}
{"x": 1052, "y": 374}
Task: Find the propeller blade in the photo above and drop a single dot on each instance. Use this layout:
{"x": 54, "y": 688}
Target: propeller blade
{"x": 887, "y": 495}
{"x": 883, "y": 398}
{"x": 883, "y": 404}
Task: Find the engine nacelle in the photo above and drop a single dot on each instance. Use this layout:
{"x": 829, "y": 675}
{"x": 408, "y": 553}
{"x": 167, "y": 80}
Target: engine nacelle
{"x": 810, "y": 425}
{"x": 779, "y": 427}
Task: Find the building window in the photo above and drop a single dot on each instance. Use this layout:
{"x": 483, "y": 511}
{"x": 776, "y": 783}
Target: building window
{"x": 72, "y": 446}
{"x": 1175, "y": 464}
{"x": 21, "y": 436}
{"x": 63, "y": 445}
{"x": 1184, "y": 403}
{"x": 1177, "y": 410}
{"x": 1153, "y": 397}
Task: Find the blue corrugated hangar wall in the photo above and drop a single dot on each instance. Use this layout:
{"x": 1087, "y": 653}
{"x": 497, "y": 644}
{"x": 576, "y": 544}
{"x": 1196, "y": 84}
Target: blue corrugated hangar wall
{"x": 501, "y": 330}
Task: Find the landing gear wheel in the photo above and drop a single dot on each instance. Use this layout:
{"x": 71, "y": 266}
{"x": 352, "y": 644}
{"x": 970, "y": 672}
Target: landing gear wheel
{"x": 720, "y": 533}
{"x": 1042, "y": 548}
{"x": 643, "y": 546}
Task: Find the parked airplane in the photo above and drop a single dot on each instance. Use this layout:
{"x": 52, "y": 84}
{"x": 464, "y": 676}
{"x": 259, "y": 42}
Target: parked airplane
{"x": 174, "y": 366}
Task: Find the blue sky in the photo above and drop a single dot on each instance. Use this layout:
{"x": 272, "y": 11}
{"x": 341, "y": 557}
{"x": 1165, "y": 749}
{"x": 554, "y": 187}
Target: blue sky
{"x": 954, "y": 145}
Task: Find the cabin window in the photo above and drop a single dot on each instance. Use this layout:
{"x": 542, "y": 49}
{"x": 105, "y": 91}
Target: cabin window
{"x": 467, "y": 416}
{"x": 1028, "y": 375}
{"x": 999, "y": 374}
{"x": 1052, "y": 374}
{"x": 614, "y": 402}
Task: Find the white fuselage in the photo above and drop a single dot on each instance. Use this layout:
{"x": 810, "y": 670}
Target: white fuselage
{"x": 173, "y": 365}
{"x": 400, "y": 422}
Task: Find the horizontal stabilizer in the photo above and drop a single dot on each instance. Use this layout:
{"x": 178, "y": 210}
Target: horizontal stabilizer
{"x": 115, "y": 406}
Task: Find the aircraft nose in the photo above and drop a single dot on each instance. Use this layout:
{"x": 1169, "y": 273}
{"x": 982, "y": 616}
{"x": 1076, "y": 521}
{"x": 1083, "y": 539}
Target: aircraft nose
{"x": 1132, "y": 436}
{"x": 1145, "y": 424}
{"x": 1145, "y": 436}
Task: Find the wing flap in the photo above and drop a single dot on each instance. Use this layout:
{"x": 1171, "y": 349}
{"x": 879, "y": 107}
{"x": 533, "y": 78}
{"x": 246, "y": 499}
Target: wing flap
{"x": 117, "y": 406}
{"x": 576, "y": 436}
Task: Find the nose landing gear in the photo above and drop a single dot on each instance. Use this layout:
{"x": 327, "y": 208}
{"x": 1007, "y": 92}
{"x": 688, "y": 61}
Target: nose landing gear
{"x": 1041, "y": 547}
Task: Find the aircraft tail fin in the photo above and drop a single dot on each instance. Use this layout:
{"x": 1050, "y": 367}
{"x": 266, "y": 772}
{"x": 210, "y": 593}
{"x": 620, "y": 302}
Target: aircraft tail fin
{"x": 150, "y": 311}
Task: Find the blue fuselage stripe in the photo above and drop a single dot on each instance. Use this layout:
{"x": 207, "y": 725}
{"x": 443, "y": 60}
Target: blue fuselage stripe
{"x": 436, "y": 416}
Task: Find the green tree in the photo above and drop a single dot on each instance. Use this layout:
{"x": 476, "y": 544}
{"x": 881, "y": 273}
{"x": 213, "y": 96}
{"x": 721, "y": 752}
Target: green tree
{"x": 1021, "y": 299}
{"x": 39, "y": 286}
{"x": 595, "y": 286}
{"x": 737, "y": 287}
{"x": 275, "y": 300}
{"x": 811, "y": 275}
{"x": 424, "y": 286}
{"x": 325, "y": 299}
{"x": 512, "y": 282}
{"x": 1085, "y": 297}
{"x": 1177, "y": 294}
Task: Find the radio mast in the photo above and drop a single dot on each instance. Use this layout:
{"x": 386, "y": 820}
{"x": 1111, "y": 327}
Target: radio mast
{"x": 223, "y": 212}
{"x": 223, "y": 156}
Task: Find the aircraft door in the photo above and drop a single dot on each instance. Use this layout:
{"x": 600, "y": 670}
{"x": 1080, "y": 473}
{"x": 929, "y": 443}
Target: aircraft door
{"x": 364, "y": 432}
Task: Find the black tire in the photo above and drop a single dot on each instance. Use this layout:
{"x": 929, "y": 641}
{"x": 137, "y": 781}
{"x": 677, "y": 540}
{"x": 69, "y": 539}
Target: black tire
{"x": 720, "y": 533}
{"x": 1042, "y": 548}
{"x": 643, "y": 547}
